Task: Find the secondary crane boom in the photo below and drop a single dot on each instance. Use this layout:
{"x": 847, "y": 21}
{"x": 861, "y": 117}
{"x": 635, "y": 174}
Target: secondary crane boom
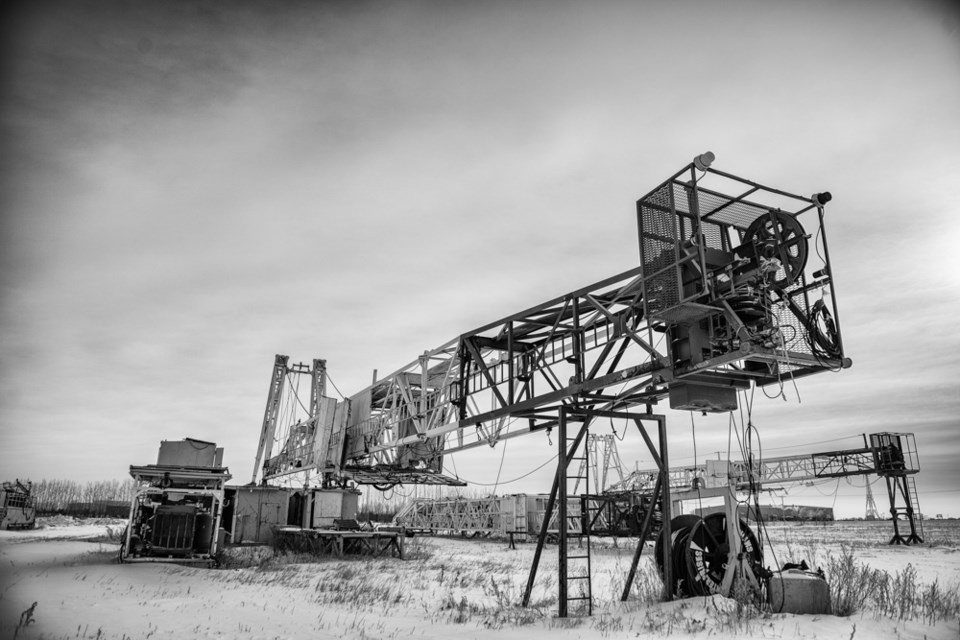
{"x": 891, "y": 456}
{"x": 887, "y": 454}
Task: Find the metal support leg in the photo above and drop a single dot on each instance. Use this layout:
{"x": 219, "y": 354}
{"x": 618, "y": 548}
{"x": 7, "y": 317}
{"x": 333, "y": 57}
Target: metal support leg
{"x": 644, "y": 532}
{"x": 661, "y": 490}
{"x": 667, "y": 509}
{"x": 562, "y": 517}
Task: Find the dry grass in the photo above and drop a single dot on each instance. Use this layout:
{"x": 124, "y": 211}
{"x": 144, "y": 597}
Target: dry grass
{"x": 481, "y": 585}
{"x": 855, "y": 587}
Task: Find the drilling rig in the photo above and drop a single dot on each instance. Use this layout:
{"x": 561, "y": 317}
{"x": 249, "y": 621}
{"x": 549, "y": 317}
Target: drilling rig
{"x": 733, "y": 289}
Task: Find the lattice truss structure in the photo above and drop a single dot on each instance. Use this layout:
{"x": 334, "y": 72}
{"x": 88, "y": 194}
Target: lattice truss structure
{"x": 886, "y": 455}
{"x": 500, "y": 515}
{"x": 603, "y": 458}
{"x": 891, "y": 456}
{"x": 298, "y": 420}
{"x": 521, "y": 514}
{"x": 733, "y": 287}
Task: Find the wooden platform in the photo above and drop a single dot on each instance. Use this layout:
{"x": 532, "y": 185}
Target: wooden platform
{"x": 340, "y": 543}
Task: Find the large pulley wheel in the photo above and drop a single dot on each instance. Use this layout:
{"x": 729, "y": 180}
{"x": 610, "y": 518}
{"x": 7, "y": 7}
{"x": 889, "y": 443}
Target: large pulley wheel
{"x": 779, "y": 235}
{"x": 707, "y": 554}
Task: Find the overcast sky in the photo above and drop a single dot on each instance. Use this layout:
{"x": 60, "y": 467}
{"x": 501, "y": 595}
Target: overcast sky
{"x": 190, "y": 188}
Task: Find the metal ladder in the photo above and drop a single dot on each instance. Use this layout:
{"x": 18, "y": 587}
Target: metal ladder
{"x": 575, "y": 566}
{"x": 914, "y": 504}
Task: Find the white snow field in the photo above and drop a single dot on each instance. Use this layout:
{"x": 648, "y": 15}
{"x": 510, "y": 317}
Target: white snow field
{"x": 450, "y": 588}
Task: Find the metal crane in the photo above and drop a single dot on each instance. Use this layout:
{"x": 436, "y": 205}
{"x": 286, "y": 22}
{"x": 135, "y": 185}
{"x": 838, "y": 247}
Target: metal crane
{"x": 733, "y": 288}
{"x": 723, "y": 298}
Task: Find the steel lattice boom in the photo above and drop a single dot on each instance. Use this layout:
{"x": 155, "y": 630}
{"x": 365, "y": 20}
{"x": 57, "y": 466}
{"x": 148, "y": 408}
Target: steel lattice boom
{"x": 887, "y": 455}
{"x": 727, "y": 293}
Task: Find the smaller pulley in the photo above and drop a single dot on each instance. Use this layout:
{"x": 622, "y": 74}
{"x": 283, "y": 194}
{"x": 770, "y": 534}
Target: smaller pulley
{"x": 751, "y": 309}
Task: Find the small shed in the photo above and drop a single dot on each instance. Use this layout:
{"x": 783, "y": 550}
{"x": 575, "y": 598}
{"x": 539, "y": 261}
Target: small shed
{"x": 252, "y": 513}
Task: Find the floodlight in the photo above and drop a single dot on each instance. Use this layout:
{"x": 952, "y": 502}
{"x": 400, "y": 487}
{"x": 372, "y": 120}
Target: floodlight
{"x": 704, "y": 160}
{"x": 821, "y": 198}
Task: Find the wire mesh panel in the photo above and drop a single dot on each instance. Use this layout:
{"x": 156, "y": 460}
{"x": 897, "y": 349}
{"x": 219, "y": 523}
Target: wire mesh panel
{"x": 659, "y": 254}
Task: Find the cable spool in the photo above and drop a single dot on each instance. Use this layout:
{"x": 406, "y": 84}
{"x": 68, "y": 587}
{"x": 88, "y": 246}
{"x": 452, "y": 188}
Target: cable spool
{"x": 707, "y": 553}
{"x": 680, "y": 528}
{"x": 782, "y": 235}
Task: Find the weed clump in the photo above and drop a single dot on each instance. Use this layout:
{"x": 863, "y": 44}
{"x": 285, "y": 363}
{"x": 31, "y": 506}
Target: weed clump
{"x": 856, "y": 587}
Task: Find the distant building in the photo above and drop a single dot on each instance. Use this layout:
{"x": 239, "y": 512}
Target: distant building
{"x": 783, "y": 512}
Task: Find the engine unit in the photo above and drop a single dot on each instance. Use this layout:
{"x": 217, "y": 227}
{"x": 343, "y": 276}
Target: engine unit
{"x": 175, "y": 515}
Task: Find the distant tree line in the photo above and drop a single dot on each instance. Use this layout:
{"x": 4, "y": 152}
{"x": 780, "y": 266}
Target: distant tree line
{"x": 111, "y": 498}
{"x": 98, "y": 498}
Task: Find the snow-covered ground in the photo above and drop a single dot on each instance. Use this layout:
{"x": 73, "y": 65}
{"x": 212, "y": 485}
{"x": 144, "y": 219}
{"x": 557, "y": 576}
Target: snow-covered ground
{"x": 445, "y": 588}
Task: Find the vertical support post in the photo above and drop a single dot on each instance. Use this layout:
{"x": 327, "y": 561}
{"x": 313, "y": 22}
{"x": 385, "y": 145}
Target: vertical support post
{"x": 697, "y": 229}
{"x": 577, "y": 345}
{"x": 319, "y": 387}
{"x": 667, "y": 508}
{"x": 892, "y": 493}
{"x": 424, "y": 384}
{"x": 907, "y": 505}
{"x": 511, "y": 374}
{"x": 562, "y": 517}
{"x": 218, "y": 497}
{"x": 829, "y": 270}
{"x": 462, "y": 356}
{"x": 265, "y": 448}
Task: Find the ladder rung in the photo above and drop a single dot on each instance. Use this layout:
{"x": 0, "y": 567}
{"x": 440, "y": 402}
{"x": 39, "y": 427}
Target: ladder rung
{"x": 578, "y": 557}
{"x": 579, "y": 598}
